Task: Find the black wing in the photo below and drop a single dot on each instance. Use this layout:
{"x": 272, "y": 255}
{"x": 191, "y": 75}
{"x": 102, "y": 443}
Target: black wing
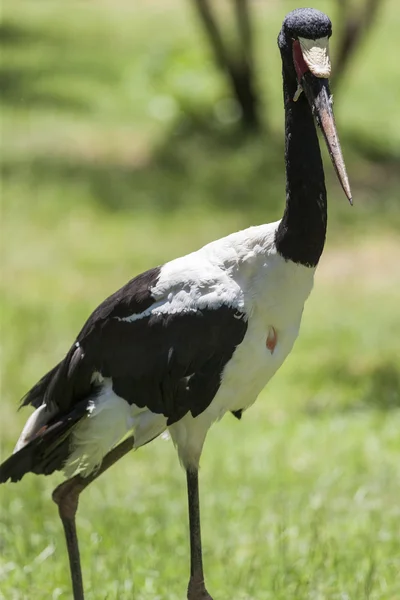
{"x": 171, "y": 363}
{"x": 71, "y": 379}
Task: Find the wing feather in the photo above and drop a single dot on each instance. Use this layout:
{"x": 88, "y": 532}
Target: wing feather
{"x": 169, "y": 357}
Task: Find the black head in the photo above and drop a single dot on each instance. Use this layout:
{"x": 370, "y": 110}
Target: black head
{"x": 302, "y": 24}
{"x": 307, "y": 23}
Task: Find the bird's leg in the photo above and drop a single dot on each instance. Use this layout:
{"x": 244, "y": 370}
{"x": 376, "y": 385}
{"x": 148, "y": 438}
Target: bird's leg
{"x": 66, "y": 496}
{"x": 196, "y": 589}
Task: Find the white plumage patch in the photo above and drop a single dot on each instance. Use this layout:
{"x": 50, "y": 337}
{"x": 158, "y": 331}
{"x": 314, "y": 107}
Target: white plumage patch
{"x": 316, "y": 56}
{"x": 36, "y": 421}
{"x": 200, "y": 281}
{"x": 108, "y": 421}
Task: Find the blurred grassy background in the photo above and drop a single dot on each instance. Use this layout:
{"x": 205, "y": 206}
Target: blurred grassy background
{"x": 120, "y": 151}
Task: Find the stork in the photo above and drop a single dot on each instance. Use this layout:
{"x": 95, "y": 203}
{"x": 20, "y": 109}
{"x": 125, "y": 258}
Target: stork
{"x": 184, "y": 343}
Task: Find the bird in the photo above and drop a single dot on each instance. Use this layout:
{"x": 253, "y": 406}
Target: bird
{"x": 184, "y": 343}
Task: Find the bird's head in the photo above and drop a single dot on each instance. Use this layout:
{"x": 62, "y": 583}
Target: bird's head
{"x": 304, "y": 45}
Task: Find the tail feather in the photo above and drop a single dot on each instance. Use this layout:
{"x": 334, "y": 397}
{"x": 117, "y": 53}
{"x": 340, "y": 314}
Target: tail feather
{"x": 65, "y": 385}
{"x": 36, "y": 395}
{"x": 47, "y": 451}
{"x": 60, "y": 398}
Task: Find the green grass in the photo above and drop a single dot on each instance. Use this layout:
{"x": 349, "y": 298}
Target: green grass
{"x": 115, "y": 158}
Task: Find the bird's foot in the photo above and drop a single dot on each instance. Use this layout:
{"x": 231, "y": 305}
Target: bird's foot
{"x": 197, "y": 589}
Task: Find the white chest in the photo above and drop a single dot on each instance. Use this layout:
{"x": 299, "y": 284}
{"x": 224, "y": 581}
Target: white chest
{"x": 274, "y": 302}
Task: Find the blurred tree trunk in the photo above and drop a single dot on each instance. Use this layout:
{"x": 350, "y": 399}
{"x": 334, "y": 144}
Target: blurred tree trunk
{"x": 356, "y": 24}
{"x": 238, "y": 65}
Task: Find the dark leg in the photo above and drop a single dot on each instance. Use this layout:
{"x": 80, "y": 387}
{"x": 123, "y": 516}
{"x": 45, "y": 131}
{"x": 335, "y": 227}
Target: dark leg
{"x": 196, "y": 589}
{"x": 66, "y": 496}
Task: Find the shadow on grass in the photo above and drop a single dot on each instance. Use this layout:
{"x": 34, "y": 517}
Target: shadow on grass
{"x": 194, "y": 166}
{"x": 18, "y": 86}
{"x": 383, "y": 388}
{"x": 374, "y": 152}
{"x": 36, "y": 82}
{"x": 377, "y": 389}
{"x": 202, "y": 164}
{"x": 12, "y": 34}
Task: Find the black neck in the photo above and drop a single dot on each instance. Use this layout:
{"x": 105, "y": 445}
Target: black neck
{"x": 301, "y": 234}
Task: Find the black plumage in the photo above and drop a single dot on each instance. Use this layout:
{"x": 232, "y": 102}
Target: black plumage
{"x": 237, "y": 413}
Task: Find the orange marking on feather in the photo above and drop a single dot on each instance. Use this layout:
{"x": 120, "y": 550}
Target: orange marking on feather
{"x": 41, "y": 430}
{"x": 272, "y": 339}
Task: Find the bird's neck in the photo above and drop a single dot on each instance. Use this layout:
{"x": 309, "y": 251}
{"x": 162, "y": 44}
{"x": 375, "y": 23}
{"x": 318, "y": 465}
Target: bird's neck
{"x": 301, "y": 233}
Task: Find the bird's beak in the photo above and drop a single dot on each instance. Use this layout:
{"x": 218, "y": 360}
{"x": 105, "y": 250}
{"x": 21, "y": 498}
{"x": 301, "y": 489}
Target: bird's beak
{"x": 319, "y": 97}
